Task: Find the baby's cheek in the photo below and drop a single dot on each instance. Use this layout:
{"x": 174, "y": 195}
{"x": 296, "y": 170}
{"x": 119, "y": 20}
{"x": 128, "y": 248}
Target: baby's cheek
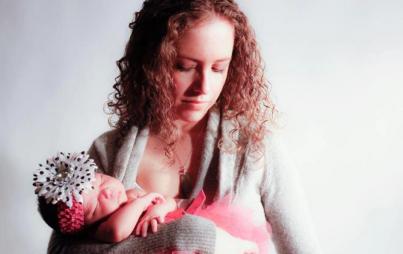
{"x": 89, "y": 217}
{"x": 107, "y": 206}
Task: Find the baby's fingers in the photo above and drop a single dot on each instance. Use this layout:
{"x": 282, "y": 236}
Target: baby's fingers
{"x": 158, "y": 198}
{"x": 138, "y": 227}
{"x": 160, "y": 219}
{"x": 154, "y": 225}
{"x": 144, "y": 228}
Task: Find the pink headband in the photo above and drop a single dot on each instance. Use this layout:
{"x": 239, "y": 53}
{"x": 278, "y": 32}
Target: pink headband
{"x": 61, "y": 181}
{"x": 71, "y": 220}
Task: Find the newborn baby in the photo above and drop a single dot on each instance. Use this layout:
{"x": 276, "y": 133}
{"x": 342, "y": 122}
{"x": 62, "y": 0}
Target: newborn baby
{"x": 73, "y": 198}
{"x": 119, "y": 211}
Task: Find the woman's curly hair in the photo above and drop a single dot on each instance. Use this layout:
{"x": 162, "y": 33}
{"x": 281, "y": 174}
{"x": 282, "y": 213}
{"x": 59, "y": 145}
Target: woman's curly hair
{"x": 144, "y": 90}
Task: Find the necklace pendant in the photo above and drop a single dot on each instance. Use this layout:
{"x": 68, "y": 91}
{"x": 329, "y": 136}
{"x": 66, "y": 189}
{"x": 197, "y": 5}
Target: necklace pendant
{"x": 182, "y": 171}
{"x": 185, "y": 186}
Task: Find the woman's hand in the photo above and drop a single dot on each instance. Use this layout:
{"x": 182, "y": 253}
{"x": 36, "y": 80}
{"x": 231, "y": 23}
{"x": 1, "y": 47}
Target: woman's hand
{"x": 226, "y": 243}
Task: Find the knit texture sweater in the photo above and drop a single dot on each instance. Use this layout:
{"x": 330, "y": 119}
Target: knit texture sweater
{"x": 267, "y": 186}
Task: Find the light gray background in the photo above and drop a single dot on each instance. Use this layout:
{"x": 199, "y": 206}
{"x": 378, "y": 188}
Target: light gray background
{"x": 336, "y": 72}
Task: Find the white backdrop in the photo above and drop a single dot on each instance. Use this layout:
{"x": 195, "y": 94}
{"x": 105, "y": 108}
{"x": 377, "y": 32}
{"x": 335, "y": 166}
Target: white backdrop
{"x": 336, "y": 71}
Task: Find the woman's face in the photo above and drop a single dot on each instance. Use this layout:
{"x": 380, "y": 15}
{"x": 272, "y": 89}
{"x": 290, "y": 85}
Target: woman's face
{"x": 201, "y": 68}
{"x": 106, "y": 197}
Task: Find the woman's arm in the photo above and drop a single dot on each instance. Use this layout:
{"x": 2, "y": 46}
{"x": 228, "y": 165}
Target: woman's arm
{"x": 190, "y": 233}
{"x": 284, "y": 203}
{"x": 227, "y": 243}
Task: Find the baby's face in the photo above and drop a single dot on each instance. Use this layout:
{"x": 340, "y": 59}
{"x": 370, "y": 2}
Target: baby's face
{"x": 106, "y": 197}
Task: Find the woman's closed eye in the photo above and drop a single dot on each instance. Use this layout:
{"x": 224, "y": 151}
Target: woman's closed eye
{"x": 185, "y": 67}
{"x": 219, "y": 68}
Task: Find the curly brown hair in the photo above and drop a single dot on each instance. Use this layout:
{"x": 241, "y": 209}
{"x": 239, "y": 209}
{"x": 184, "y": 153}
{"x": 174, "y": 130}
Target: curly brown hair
{"x": 145, "y": 81}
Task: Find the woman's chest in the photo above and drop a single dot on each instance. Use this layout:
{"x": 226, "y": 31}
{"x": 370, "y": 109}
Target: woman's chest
{"x": 154, "y": 176}
{"x": 170, "y": 176}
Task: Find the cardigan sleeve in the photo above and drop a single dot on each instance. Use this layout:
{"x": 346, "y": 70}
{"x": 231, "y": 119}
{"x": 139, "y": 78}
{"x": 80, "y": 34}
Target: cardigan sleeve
{"x": 189, "y": 233}
{"x": 284, "y": 203}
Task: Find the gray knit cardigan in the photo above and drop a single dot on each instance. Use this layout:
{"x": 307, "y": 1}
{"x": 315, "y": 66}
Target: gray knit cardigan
{"x": 267, "y": 186}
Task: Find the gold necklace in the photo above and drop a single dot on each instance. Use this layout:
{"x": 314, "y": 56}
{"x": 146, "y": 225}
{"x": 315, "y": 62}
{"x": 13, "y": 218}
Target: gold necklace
{"x": 184, "y": 176}
{"x": 185, "y": 183}
{"x": 182, "y": 170}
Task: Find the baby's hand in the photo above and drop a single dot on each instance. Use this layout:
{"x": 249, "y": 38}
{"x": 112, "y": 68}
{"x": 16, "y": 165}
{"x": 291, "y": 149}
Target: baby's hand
{"x": 152, "y": 198}
{"x": 133, "y": 194}
{"x": 153, "y": 216}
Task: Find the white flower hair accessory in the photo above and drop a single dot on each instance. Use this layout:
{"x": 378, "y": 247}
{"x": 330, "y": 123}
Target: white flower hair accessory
{"x": 64, "y": 177}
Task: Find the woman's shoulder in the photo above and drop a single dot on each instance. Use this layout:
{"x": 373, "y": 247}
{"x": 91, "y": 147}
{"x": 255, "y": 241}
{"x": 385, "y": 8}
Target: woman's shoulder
{"x": 275, "y": 150}
{"x": 108, "y": 137}
{"x": 273, "y": 140}
{"x": 103, "y": 149}
{"x": 280, "y": 169}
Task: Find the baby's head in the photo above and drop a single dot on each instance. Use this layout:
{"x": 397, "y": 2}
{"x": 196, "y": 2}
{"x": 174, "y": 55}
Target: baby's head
{"x": 106, "y": 196}
{"x": 71, "y": 195}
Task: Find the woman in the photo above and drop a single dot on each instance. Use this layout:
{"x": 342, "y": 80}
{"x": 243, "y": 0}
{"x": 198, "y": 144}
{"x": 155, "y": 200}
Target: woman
{"x": 194, "y": 114}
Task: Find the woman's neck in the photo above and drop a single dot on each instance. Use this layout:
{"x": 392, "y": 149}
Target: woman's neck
{"x": 191, "y": 128}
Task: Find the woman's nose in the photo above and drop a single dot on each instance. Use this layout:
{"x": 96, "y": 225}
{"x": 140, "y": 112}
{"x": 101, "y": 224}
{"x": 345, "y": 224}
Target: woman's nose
{"x": 202, "y": 82}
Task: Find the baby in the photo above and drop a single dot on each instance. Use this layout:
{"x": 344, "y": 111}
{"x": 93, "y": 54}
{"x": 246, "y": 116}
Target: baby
{"x": 72, "y": 197}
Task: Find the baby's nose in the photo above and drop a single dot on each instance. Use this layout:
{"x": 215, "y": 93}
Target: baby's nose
{"x": 108, "y": 193}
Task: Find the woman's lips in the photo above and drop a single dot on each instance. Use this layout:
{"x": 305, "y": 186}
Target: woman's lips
{"x": 193, "y": 102}
{"x": 194, "y": 105}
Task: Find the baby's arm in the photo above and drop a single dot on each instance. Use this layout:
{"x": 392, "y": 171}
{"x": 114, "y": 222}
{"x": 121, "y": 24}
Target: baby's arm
{"x": 122, "y": 222}
{"x": 154, "y": 215}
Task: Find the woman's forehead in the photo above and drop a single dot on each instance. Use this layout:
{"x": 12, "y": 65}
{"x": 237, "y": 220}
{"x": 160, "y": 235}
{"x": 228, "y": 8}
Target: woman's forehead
{"x": 212, "y": 39}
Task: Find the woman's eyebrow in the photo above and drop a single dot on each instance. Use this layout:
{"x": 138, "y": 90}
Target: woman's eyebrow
{"x": 197, "y": 60}
{"x": 223, "y": 60}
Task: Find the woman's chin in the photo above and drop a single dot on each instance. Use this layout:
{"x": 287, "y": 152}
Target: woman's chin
{"x": 192, "y": 116}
